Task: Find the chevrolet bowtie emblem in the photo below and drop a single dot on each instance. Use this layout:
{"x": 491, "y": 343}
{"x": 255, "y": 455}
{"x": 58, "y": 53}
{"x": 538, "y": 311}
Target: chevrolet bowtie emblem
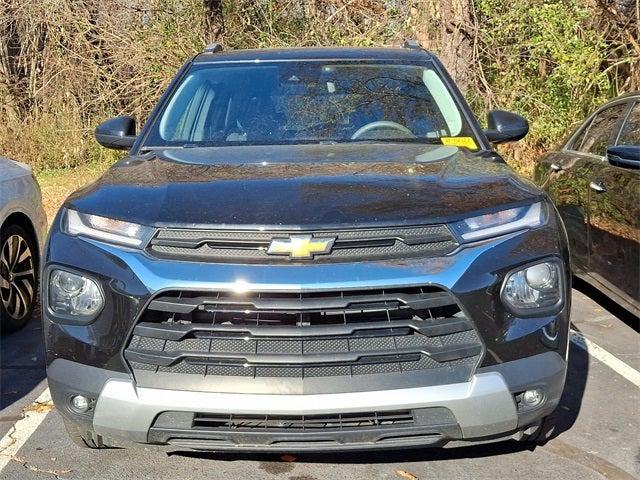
{"x": 301, "y": 246}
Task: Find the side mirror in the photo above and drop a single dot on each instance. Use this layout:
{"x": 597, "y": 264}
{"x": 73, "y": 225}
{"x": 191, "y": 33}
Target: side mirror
{"x": 505, "y": 126}
{"x": 624, "y": 156}
{"x": 118, "y": 133}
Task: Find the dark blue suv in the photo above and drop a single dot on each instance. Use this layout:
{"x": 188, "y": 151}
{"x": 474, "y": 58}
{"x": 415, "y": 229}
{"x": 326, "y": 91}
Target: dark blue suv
{"x": 307, "y": 249}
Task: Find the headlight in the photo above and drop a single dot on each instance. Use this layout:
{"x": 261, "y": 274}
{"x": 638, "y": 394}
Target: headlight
{"x": 74, "y": 295}
{"x": 499, "y": 223}
{"x": 534, "y": 287}
{"x": 106, "y": 229}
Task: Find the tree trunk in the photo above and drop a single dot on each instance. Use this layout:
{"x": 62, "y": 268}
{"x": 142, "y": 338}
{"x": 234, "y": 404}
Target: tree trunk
{"x": 446, "y": 28}
{"x": 457, "y": 49}
{"x": 214, "y": 21}
{"x": 13, "y": 73}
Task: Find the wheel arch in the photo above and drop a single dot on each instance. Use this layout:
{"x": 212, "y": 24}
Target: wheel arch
{"x": 22, "y": 220}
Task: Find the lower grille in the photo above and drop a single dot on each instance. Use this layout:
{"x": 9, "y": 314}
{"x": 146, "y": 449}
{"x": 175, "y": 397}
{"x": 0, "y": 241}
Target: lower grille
{"x": 305, "y": 335}
{"x": 302, "y": 422}
{"x": 359, "y": 430}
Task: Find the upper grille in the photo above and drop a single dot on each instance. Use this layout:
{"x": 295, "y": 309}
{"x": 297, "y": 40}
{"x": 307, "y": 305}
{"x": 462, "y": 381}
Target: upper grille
{"x": 305, "y": 335}
{"x": 350, "y": 245}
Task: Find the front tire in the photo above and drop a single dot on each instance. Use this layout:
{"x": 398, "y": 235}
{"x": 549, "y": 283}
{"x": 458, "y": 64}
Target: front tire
{"x": 18, "y": 277}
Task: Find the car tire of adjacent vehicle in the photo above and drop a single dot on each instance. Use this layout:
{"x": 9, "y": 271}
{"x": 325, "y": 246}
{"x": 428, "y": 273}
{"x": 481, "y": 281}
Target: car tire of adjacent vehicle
{"x": 18, "y": 277}
{"x": 84, "y": 438}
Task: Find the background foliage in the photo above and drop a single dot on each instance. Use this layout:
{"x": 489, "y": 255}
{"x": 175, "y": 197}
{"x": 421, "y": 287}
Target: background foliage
{"x": 67, "y": 65}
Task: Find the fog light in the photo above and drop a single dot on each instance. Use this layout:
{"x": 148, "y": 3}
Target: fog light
{"x": 532, "y": 398}
{"x": 80, "y": 403}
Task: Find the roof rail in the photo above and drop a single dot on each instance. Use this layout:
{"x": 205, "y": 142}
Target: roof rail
{"x": 213, "y": 48}
{"x": 412, "y": 44}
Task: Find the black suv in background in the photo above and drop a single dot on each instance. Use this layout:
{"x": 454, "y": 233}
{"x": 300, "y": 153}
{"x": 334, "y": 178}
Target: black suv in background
{"x": 594, "y": 180}
{"x": 307, "y": 249}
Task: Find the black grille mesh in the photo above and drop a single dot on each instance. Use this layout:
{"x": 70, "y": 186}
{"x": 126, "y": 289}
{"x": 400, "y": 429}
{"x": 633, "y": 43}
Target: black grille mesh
{"x": 350, "y": 245}
{"x": 300, "y": 422}
{"x": 305, "y": 335}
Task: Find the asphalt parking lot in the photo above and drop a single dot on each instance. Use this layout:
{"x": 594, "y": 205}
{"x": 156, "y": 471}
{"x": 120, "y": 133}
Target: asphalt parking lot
{"x": 598, "y": 426}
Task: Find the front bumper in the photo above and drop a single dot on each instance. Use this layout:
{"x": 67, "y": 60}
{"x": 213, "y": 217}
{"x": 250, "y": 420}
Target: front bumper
{"x": 485, "y": 407}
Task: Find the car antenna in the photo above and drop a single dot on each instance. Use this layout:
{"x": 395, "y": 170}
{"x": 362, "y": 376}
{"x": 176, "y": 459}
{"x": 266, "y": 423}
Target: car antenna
{"x": 412, "y": 44}
{"x": 213, "y": 48}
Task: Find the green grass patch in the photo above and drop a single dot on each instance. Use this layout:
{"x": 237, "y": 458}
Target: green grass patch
{"x": 58, "y": 183}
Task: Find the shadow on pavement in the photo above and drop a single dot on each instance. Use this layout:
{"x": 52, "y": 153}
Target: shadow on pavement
{"x": 607, "y": 303}
{"x": 567, "y": 412}
{"x": 22, "y": 362}
{"x": 562, "y": 419}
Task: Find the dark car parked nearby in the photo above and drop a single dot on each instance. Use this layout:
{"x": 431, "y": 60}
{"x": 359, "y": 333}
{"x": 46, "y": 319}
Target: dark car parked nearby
{"x": 307, "y": 249}
{"x": 594, "y": 181}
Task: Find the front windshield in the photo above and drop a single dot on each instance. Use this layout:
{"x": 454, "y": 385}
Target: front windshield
{"x": 309, "y": 102}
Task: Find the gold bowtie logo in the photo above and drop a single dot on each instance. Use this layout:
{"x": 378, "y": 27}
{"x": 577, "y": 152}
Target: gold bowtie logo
{"x": 301, "y": 246}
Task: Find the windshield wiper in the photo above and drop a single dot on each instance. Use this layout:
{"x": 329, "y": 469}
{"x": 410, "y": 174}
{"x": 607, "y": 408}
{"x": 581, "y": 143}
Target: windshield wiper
{"x": 421, "y": 141}
{"x": 297, "y": 141}
{"x": 147, "y": 149}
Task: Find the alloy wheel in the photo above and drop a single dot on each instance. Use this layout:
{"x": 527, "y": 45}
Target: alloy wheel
{"x": 17, "y": 277}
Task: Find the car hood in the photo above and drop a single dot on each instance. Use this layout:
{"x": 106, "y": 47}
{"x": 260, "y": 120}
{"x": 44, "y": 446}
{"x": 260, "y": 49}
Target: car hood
{"x": 10, "y": 169}
{"x": 304, "y": 186}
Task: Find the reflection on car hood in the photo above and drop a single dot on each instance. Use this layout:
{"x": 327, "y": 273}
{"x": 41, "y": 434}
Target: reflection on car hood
{"x": 304, "y": 186}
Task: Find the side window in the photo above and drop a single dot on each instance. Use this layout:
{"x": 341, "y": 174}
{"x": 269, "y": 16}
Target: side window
{"x": 186, "y": 117}
{"x": 630, "y": 134}
{"x": 603, "y": 130}
{"x": 580, "y": 138}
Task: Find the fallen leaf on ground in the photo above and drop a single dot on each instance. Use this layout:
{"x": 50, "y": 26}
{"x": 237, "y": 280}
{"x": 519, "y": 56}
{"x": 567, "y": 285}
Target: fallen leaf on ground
{"x": 288, "y": 458}
{"x": 39, "y": 407}
{"x": 25, "y": 464}
{"x": 407, "y": 475}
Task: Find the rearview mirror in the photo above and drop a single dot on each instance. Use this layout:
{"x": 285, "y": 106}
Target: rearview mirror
{"x": 505, "y": 126}
{"x": 624, "y": 156}
{"x": 118, "y": 133}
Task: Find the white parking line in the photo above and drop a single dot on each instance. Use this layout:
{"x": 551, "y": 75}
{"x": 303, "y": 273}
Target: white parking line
{"x": 17, "y": 436}
{"x": 599, "y": 353}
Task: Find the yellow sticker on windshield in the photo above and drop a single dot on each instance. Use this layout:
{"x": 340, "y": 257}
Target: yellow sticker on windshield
{"x": 468, "y": 142}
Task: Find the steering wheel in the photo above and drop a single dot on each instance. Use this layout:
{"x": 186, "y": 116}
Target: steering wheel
{"x": 386, "y": 124}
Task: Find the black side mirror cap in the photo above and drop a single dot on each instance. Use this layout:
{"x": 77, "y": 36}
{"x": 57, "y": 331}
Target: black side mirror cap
{"x": 624, "y": 156}
{"x": 505, "y": 126}
{"x": 118, "y": 133}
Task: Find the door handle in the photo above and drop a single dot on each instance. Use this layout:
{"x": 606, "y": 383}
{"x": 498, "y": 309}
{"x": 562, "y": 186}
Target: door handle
{"x": 555, "y": 167}
{"x": 598, "y": 187}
